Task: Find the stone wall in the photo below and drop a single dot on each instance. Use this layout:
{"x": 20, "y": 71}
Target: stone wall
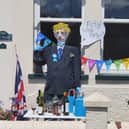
{"x": 118, "y": 95}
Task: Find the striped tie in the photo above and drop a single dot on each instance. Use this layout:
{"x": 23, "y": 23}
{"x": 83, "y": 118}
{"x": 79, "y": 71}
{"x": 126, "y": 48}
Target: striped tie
{"x": 60, "y": 52}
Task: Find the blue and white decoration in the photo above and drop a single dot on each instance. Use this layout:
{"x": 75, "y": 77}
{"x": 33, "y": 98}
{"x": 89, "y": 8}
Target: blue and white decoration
{"x": 46, "y": 42}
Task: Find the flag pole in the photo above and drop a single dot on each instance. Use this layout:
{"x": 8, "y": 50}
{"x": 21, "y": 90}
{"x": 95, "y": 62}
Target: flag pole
{"x": 16, "y": 52}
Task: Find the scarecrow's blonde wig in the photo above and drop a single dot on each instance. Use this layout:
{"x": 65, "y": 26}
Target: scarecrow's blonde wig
{"x": 64, "y": 26}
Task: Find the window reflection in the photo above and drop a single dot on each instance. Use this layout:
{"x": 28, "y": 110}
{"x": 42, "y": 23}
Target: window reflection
{"x": 117, "y": 9}
{"x": 61, "y": 8}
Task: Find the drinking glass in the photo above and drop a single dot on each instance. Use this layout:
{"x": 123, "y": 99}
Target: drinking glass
{"x": 33, "y": 106}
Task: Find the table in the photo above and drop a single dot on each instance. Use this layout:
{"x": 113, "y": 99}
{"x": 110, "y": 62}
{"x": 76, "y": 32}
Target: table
{"x": 46, "y": 116}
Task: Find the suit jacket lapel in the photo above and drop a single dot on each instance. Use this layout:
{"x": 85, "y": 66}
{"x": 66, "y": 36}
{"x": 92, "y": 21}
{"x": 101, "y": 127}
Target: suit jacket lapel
{"x": 64, "y": 52}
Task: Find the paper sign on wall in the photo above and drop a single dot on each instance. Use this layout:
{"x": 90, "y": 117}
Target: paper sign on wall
{"x": 91, "y": 31}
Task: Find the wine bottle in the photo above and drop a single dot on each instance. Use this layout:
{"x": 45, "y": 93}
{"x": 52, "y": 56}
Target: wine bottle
{"x": 40, "y": 102}
{"x": 65, "y": 104}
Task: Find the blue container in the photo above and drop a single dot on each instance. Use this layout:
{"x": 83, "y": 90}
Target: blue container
{"x": 71, "y": 98}
{"x": 71, "y": 103}
{"x": 80, "y": 109}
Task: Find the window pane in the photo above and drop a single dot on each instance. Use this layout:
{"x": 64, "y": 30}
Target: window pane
{"x": 116, "y": 41}
{"x": 61, "y": 8}
{"x": 117, "y": 9}
{"x": 74, "y": 38}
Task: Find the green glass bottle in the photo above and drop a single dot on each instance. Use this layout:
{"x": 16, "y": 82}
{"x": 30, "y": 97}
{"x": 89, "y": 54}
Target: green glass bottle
{"x": 40, "y": 102}
{"x": 65, "y": 103}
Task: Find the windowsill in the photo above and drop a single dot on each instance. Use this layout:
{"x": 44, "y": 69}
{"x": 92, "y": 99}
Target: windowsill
{"x": 44, "y": 76}
{"x": 37, "y": 76}
{"x": 112, "y": 77}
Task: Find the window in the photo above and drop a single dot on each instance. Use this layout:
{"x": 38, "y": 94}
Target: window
{"x": 74, "y": 37}
{"x": 60, "y": 8}
{"x": 116, "y": 40}
{"x": 49, "y": 12}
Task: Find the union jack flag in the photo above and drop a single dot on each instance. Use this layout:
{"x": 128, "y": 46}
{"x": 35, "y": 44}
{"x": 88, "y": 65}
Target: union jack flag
{"x": 20, "y": 100}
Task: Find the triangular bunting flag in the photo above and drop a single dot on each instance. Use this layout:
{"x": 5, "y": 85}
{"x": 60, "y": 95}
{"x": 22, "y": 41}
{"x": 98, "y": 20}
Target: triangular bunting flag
{"x": 117, "y": 63}
{"x": 99, "y": 64}
{"x": 126, "y": 63}
{"x": 91, "y": 64}
{"x": 83, "y": 60}
{"x": 108, "y": 64}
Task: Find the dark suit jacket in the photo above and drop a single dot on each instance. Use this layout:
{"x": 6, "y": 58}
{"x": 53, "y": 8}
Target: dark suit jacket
{"x": 64, "y": 74}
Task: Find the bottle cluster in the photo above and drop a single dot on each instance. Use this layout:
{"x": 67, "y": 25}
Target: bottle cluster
{"x": 70, "y": 103}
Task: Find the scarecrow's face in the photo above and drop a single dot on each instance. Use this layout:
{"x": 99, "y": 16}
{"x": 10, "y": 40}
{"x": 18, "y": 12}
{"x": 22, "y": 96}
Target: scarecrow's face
{"x": 61, "y": 35}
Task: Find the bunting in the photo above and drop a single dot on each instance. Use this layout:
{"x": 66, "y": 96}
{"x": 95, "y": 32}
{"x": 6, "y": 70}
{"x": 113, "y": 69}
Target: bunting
{"x": 117, "y": 63}
{"x": 91, "y": 64}
{"x": 83, "y": 60}
{"x": 99, "y": 64}
{"x": 108, "y": 63}
{"x": 126, "y": 62}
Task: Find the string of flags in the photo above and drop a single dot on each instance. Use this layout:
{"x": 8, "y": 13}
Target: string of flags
{"x": 108, "y": 63}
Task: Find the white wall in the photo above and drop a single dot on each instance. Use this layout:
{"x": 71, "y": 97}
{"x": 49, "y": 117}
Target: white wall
{"x": 7, "y": 56}
{"x": 6, "y": 15}
{"x": 7, "y": 73}
{"x": 17, "y": 18}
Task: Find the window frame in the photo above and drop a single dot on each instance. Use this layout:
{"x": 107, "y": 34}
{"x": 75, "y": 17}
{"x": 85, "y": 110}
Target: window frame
{"x": 113, "y": 70}
{"x": 38, "y": 19}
